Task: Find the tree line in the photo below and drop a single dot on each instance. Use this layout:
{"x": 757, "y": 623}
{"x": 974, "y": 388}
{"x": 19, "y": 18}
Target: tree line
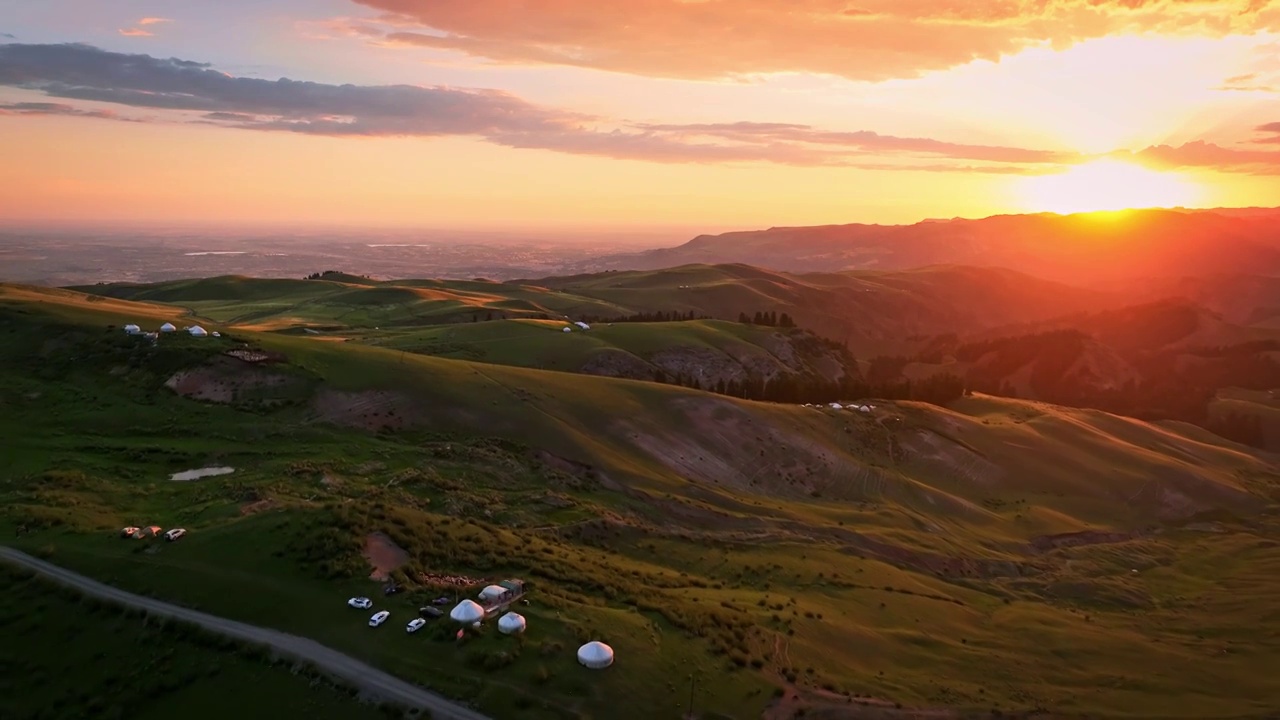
{"x": 796, "y": 388}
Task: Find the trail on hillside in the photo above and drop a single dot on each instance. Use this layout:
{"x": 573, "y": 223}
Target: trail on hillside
{"x": 363, "y": 676}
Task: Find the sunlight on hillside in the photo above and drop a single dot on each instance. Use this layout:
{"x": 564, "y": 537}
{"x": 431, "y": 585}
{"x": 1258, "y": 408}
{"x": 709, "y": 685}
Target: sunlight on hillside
{"x": 1106, "y": 185}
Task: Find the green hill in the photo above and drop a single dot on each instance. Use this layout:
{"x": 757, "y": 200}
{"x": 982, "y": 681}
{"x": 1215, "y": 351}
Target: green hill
{"x": 868, "y": 311}
{"x": 995, "y": 554}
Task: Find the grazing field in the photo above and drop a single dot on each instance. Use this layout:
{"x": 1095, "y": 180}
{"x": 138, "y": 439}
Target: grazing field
{"x": 994, "y": 555}
{"x": 68, "y": 656}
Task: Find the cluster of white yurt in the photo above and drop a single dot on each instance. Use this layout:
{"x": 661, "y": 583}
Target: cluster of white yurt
{"x": 595, "y": 655}
{"x": 467, "y": 611}
{"x": 511, "y": 623}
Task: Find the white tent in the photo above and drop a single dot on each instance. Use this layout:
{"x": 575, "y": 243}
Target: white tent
{"x": 837, "y": 406}
{"x": 595, "y": 655}
{"x": 132, "y": 329}
{"x": 197, "y": 331}
{"x": 467, "y": 611}
{"x": 493, "y": 592}
{"x": 568, "y": 329}
{"x": 511, "y": 623}
{"x": 583, "y": 325}
{"x": 167, "y": 327}
{"x": 217, "y": 334}
{"x": 864, "y": 408}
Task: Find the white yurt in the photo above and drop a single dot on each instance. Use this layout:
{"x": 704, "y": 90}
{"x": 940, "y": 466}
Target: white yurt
{"x": 511, "y": 623}
{"x": 167, "y": 327}
{"x": 132, "y": 329}
{"x": 217, "y": 334}
{"x": 595, "y": 655}
{"x": 568, "y": 329}
{"x": 583, "y": 325}
{"x": 467, "y": 611}
{"x": 493, "y": 592}
{"x": 197, "y": 331}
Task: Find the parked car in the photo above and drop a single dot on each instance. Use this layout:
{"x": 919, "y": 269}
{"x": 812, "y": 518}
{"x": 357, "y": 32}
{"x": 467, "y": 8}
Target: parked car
{"x": 379, "y": 618}
{"x": 430, "y": 613}
{"x": 174, "y": 534}
{"x": 129, "y": 532}
{"x": 360, "y": 603}
{"x": 391, "y": 589}
{"x": 415, "y": 625}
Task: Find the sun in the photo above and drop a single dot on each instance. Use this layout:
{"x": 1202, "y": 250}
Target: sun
{"x": 1106, "y": 185}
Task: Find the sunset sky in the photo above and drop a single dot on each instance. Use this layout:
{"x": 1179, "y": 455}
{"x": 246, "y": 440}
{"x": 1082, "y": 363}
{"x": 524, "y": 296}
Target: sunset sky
{"x": 709, "y": 114}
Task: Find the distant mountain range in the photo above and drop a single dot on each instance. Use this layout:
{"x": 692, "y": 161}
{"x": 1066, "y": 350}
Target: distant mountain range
{"x": 1085, "y": 249}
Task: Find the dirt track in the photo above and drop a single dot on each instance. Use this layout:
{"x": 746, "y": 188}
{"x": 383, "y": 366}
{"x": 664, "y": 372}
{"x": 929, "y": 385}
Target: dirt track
{"x": 361, "y": 675}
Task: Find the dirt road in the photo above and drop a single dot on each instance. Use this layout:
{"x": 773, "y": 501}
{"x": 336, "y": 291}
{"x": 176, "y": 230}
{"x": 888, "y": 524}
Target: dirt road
{"x": 367, "y": 678}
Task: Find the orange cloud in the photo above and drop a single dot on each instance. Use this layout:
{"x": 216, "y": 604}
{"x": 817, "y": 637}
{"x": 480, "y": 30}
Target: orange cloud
{"x": 1200, "y": 154}
{"x": 198, "y": 93}
{"x": 134, "y": 32}
{"x": 869, "y": 40}
{"x": 153, "y": 20}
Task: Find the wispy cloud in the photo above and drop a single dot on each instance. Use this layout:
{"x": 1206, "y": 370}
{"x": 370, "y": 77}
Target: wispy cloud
{"x": 137, "y": 30}
{"x": 1249, "y": 82}
{"x": 199, "y": 93}
{"x": 1270, "y": 133}
{"x": 82, "y": 72}
{"x": 1201, "y": 154}
{"x": 7, "y": 35}
{"x": 866, "y": 40}
{"x": 45, "y": 108}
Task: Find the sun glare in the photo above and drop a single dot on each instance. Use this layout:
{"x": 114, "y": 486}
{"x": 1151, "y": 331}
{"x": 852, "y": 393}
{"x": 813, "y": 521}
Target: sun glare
{"x": 1106, "y": 185}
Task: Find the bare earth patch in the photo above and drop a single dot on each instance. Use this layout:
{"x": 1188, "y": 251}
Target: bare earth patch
{"x": 223, "y": 382}
{"x": 384, "y": 555}
{"x": 257, "y": 507}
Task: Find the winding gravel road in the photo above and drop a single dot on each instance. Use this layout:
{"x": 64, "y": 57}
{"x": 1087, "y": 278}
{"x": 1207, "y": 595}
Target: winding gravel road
{"x": 361, "y": 675}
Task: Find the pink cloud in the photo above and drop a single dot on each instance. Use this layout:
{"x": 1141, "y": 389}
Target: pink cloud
{"x": 869, "y": 40}
{"x": 135, "y": 32}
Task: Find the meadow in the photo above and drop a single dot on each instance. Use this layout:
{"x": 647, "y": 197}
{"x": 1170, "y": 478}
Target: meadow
{"x": 994, "y": 555}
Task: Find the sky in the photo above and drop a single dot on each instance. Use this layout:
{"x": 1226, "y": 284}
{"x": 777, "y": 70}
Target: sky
{"x": 583, "y": 114}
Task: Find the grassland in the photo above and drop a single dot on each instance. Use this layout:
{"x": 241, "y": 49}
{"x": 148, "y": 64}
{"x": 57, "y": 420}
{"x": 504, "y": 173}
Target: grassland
{"x": 912, "y": 555}
{"x": 67, "y": 656}
{"x": 870, "y": 311}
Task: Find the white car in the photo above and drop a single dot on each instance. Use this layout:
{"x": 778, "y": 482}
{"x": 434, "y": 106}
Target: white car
{"x": 174, "y": 534}
{"x": 360, "y": 603}
{"x": 379, "y": 618}
{"x": 415, "y": 625}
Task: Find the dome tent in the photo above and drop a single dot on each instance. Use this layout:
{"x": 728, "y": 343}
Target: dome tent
{"x": 167, "y": 327}
{"x": 467, "y": 611}
{"x": 197, "y": 331}
{"x": 132, "y": 329}
{"x": 595, "y": 655}
{"x": 493, "y": 592}
{"x": 511, "y": 623}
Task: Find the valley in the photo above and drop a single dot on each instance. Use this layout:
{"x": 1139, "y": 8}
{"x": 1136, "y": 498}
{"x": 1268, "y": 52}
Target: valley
{"x": 995, "y": 554}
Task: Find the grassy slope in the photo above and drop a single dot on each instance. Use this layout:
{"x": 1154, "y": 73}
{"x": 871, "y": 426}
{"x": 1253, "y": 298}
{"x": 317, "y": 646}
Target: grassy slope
{"x": 65, "y": 657}
{"x": 868, "y": 309}
{"x": 706, "y": 515}
{"x": 543, "y": 344}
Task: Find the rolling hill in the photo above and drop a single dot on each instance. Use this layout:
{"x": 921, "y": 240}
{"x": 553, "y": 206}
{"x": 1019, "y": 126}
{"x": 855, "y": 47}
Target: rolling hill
{"x": 868, "y": 311}
{"x": 1081, "y": 249}
{"x": 996, "y": 553}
